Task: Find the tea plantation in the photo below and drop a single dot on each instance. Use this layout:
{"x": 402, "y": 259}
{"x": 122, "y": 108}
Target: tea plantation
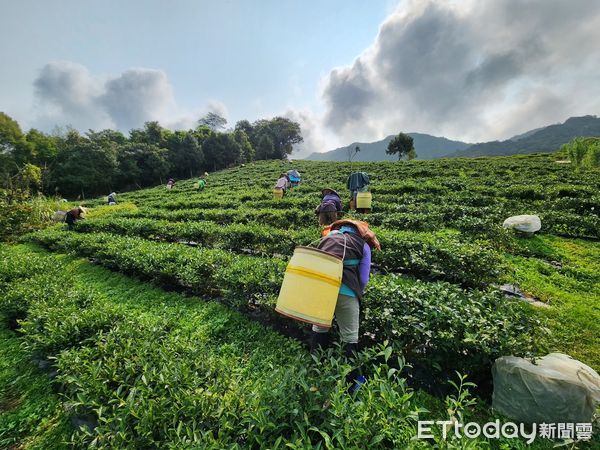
{"x": 152, "y": 324}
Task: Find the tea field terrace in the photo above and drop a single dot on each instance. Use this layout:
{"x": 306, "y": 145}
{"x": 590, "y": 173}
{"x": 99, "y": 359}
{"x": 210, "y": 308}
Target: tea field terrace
{"x": 439, "y": 223}
{"x": 434, "y": 299}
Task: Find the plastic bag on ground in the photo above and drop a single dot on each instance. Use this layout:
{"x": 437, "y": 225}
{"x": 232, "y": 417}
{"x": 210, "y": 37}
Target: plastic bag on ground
{"x": 556, "y": 389}
{"x": 524, "y": 223}
{"x": 59, "y": 216}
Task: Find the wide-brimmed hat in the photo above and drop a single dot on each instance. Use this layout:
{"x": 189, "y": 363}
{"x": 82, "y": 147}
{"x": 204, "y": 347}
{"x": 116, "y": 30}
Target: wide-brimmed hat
{"x": 329, "y": 191}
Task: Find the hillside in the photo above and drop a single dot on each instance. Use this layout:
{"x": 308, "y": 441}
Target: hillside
{"x": 152, "y": 322}
{"x": 546, "y": 139}
{"x": 427, "y": 147}
{"x": 543, "y": 139}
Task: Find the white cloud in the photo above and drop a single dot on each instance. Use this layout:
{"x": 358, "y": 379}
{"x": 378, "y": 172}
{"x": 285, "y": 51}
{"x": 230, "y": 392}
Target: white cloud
{"x": 472, "y": 70}
{"x": 66, "y": 93}
{"x": 137, "y": 96}
{"x": 316, "y": 137}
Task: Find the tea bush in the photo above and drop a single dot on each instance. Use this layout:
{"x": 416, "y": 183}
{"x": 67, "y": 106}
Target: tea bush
{"x": 173, "y": 373}
{"x": 443, "y": 327}
{"x": 162, "y": 370}
{"x": 436, "y": 255}
{"x": 241, "y": 279}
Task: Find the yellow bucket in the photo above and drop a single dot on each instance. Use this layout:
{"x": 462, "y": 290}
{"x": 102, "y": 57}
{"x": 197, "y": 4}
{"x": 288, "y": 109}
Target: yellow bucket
{"x": 363, "y": 200}
{"x": 311, "y": 286}
{"x": 277, "y": 193}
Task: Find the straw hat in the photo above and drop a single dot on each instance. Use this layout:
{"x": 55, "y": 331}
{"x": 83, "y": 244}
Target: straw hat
{"x": 326, "y": 191}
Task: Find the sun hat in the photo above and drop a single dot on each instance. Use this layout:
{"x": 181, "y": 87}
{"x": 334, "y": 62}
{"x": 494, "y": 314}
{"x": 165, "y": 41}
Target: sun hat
{"x": 329, "y": 191}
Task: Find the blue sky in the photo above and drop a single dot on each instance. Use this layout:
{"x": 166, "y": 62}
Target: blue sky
{"x": 255, "y": 57}
{"x": 347, "y": 70}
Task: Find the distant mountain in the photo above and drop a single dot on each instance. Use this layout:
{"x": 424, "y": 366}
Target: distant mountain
{"x": 426, "y": 146}
{"x": 526, "y": 134}
{"x": 543, "y": 139}
{"x": 546, "y": 139}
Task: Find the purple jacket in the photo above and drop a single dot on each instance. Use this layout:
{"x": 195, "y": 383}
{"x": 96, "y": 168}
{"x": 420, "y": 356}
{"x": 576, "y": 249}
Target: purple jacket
{"x": 334, "y": 199}
{"x": 364, "y": 268}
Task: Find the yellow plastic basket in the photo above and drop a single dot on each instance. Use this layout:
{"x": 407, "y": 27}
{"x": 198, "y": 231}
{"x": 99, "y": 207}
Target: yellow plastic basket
{"x": 363, "y": 200}
{"x": 311, "y": 286}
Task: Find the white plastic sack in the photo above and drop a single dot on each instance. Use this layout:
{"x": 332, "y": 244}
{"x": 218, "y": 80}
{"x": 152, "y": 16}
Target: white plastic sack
{"x": 556, "y": 389}
{"x": 59, "y": 216}
{"x": 525, "y": 223}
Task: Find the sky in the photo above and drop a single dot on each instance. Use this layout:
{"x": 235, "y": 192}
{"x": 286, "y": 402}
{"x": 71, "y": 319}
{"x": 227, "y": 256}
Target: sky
{"x": 347, "y": 70}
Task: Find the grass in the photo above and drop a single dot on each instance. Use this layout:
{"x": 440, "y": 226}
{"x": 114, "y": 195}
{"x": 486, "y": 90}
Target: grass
{"x": 564, "y": 273}
{"x": 31, "y": 415}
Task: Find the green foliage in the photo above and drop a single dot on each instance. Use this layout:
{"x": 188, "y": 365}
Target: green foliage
{"x": 85, "y": 167}
{"x": 265, "y": 148}
{"x": 479, "y": 327}
{"x": 185, "y": 155}
{"x": 11, "y": 136}
{"x": 213, "y": 121}
{"x": 232, "y": 382}
{"x": 174, "y": 371}
{"x": 247, "y": 151}
{"x": 402, "y": 145}
{"x": 434, "y": 322}
{"x": 141, "y": 165}
{"x": 18, "y": 218}
{"x": 438, "y": 255}
{"x": 31, "y": 415}
{"x": 583, "y": 151}
{"x": 222, "y": 150}
{"x": 69, "y": 164}
{"x": 564, "y": 273}
{"x": 282, "y": 132}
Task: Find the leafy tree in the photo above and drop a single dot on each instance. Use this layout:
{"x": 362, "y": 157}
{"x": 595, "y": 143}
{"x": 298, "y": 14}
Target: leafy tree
{"x": 20, "y": 185}
{"x": 583, "y": 151}
{"x": 142, "y": 165}
{"x": 283, "y": 132}
{"x": 151, "y": 134}
{"x": 202, "y": 132}
{"x": 107, "y": 136}
{"x": 402, "y": 145}
{"x": 247, "y": 151}
{"x": 221, "y": 150}
{"x": 245, "y": 126}
{"x": 185, "y": 154}
{"x": 213, "y": 121}
{"x": 265, "y": 148}
{"x": 44, "y": 148}
{"x": 29, "y": 178}
{"x": 83, "y": 168}
{"x": 593, "y": 155}
{"x": 13, "y": 146}
{"x": 11, "y": 135}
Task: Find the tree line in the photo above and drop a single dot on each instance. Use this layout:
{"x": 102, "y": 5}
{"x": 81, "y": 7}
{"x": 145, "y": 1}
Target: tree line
{"x": 71, "y": 164}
